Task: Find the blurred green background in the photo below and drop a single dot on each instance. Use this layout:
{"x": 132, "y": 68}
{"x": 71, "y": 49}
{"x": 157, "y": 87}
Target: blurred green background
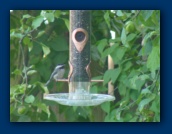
{"x": 39, "y": 40}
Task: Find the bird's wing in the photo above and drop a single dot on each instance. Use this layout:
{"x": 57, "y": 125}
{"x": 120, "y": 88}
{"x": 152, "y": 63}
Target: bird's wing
{"x": 55, "y": 71}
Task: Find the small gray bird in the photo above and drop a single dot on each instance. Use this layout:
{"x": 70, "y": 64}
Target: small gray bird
{"x": 57, "y": 73}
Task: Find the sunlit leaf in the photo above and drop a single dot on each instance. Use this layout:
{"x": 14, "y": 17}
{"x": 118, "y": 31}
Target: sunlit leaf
{"x": 49, "y": 17}
{"x": 145, "y": 91}
{"x": 153, "y": 61}
{"x": 107, "y": 18}
{"x": 17, "y": 72}
{"x": 37, "y": 21}
{"x": 31, "y": 72}
{"x": 66, "y": 23}
{"x": 146, "y": 14}
{"x": 145, "y": 102}
{"x": 123, "y": 36}
{"x": 119, "y": 13}
{"x": 29, "y": 99}
{"x": 26, "y": 16}
{"x": 45, "y": 49}
{"x": 143, "y": 77}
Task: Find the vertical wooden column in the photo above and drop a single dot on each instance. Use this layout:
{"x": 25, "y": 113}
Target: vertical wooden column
{"x": 111, "y": 66}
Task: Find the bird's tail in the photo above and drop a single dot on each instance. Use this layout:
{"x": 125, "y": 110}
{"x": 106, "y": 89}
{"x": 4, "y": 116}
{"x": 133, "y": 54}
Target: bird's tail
{"x": 47, "y": 83}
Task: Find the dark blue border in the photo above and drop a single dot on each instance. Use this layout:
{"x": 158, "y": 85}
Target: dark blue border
{"x": 166, "y": 88}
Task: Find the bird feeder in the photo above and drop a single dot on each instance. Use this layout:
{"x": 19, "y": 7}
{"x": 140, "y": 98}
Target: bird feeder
{"x": 79, "y": 78}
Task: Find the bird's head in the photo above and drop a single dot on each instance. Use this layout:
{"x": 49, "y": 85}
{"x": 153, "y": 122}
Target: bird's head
{"x": 60, "y": 66}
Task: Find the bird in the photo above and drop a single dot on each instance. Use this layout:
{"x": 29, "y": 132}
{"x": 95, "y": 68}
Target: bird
{"x": 57, "y": 73}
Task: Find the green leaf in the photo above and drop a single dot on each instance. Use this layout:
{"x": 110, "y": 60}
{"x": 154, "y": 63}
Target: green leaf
{"x": 37, "y": 21}
{"x": 118, "y": 53}
{"x": 94, "y": 89}
{"x": 31, "y": 72}
{"x": 145, "y": 91}
{"x": 29, "y": 99}
{"x": 101, "y": 45}
{"x": 127, "y": 66}
{"x": 131, "y": 36}
{"x": 118, "y": 114}
{"x": 122, "y": 89}
{"x": 106, "y": 107}
{"x": 40, "y": 34}
{"x": 42, "y": 107}
{"x": 115, "y": 73}
{"x": 26, "y": 41}
{"x": 146, "y": 37}
{"x": 146, "y": 49}
{"x": 16, "y": 35}
{"x": 26, "y": 16}
{"x": 45, "y": 89}
{"x": 145, "y": 102}
{"x": 143, "y": 77}
{"x": 109, "y": 50}
{"x": 107, "y": 18}
{"x": 49, "y": 17}
{"x": 111, "y": 74}
{"x": 146, "y": 14}
{"x": 153, "y": 61}
{"x": 57, "y": 13}
{"x": 123, "y": 37}
{"x": 59, "y": 44}
{"x": 57, "y": 58}
{"x": 45, "y": 49}
{"x": 17, "y": 72}
{"x": 136, "y": 82}
{"x": 156, "y": 41}
{"x": 119, "y": 13}
{"x": 107, "y": 76}
{"x": 24, "y": 118}
{"x": 154, "y": 107}
{"x": 134, "y": 119}
{"x": 66, "y": 23}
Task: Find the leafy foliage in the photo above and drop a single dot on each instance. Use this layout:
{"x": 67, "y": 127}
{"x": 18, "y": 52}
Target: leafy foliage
{"x": 39, "y": 41}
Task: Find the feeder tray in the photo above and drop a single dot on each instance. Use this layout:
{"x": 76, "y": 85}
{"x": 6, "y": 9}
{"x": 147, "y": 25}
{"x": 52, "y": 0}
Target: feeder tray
{"x": 72, "y": 99}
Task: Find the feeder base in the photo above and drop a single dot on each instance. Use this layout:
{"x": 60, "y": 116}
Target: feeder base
{"x": 71, "y": 99}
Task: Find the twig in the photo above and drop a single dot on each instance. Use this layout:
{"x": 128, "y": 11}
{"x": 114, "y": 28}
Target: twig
{"x": 24, "y": 64}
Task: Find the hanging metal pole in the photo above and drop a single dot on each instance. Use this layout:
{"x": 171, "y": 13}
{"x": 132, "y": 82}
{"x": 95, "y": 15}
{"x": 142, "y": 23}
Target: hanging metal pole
{"x": 79, "y": 75}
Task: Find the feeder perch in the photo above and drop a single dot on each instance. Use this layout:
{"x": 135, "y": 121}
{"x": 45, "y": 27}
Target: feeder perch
{"x": 79, "y": 78}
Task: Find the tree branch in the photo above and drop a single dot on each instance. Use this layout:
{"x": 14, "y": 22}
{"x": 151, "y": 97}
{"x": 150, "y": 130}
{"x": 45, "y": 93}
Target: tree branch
{"x": 24, "y": 62}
